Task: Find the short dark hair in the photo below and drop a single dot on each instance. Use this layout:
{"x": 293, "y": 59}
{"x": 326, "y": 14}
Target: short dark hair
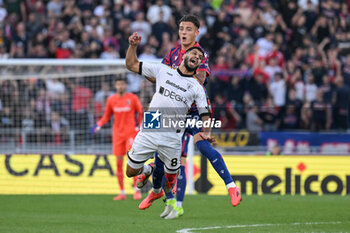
{"x": 190, "y": 18}
{"x": 120, "y": 79}
{"x": 195, "y": 47}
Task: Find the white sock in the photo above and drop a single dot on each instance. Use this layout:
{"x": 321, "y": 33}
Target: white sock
{"x": 156, "y": 191}
{"x": 136, "y": 189}
{"x": 178, "y": 204}
{"x": 231, "y": 185}
{"x": 122, "y": 192}
{"x": 147, "y": 169}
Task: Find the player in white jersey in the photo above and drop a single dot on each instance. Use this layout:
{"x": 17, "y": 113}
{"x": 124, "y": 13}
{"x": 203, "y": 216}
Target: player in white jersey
{"x": 176, "y": 90}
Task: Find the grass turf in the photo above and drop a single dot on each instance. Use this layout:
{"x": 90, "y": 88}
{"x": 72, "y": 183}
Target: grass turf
{"x": 98, "y": 213}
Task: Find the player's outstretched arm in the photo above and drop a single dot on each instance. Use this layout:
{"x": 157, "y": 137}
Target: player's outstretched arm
{"x": 206, "y": 131}
{"x": 106, "y": 117}
{"x": 131, "y": 61}
{"x": 204, "y": 110}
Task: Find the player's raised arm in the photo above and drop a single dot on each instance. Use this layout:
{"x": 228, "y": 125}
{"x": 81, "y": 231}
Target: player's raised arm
{"x": 133, "y": 64}
{"x": 131, "y": 61}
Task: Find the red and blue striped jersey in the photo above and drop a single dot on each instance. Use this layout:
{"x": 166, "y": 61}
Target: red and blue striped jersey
{"x": 174, "y": 59}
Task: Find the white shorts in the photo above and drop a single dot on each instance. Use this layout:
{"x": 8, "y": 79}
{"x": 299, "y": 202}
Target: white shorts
{"x": 146, "y": 144}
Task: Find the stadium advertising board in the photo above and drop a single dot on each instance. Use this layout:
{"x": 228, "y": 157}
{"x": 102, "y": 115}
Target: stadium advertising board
{"x": 237, "y": 138}
{"x": 94, "y": 174}
{"x": 59, "y": 174}
{"x": 329, "y": 143}
{"x": 294, "y": 175}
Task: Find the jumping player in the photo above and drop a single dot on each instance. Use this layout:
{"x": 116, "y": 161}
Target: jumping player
{"x": 188, "y": 30}
{"x": 127, "y": 110}
{"x": 172, "y": 98}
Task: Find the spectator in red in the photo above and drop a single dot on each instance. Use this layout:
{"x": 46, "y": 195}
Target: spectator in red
{"x": 275, "y": 54}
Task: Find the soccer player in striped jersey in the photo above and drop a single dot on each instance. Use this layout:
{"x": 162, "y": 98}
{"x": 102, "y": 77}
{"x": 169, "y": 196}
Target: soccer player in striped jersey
{"x": 188, "y": 30}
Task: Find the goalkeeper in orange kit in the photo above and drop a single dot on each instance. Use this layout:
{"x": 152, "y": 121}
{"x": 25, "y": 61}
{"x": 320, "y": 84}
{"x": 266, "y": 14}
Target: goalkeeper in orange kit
{"x": 127, "y": 111}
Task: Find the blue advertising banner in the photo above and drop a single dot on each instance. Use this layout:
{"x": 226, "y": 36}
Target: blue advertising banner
{"x": 330, "y": 143}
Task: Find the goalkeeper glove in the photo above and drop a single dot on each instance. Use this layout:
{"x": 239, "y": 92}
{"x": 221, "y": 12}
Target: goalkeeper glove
{"x": 95, "y": 129}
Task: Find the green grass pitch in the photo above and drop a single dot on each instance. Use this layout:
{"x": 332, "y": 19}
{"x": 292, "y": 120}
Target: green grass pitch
{"x": 203, "y": 213}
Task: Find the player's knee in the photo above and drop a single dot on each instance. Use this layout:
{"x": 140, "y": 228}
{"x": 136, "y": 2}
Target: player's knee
{"x": 130, "y": 172}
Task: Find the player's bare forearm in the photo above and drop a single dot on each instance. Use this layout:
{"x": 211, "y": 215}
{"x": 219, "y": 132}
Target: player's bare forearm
{"x": 131, "y": 61}
{"x": 151, "y": 79}
{"x": 202, "y": 75}
{"x": 206, "y": 131}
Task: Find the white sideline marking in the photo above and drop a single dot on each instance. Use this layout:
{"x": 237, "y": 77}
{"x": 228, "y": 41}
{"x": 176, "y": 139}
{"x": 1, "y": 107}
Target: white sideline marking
{"x": 189, "y": 230}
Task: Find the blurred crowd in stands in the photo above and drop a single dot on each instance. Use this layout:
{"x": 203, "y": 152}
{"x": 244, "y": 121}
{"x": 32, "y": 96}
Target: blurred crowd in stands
{"x": 276, "y": 64}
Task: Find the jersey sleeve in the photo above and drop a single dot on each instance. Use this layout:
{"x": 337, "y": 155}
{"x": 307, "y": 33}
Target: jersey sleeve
{"x": 150, "y": 69}
{"x": 107, "y": 114}
{"x": 167, "y": 59}
{"x": 202, "y": 102}
{"x": 204, "y": 66}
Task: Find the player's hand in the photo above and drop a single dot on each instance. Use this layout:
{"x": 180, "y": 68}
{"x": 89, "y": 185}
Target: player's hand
{"x": 134, "y": 39}
{"x": 208, "y": 137}
{"x": 95, "y": 129}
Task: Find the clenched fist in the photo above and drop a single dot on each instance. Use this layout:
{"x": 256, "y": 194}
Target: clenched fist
{"x": 134, "y": 39}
